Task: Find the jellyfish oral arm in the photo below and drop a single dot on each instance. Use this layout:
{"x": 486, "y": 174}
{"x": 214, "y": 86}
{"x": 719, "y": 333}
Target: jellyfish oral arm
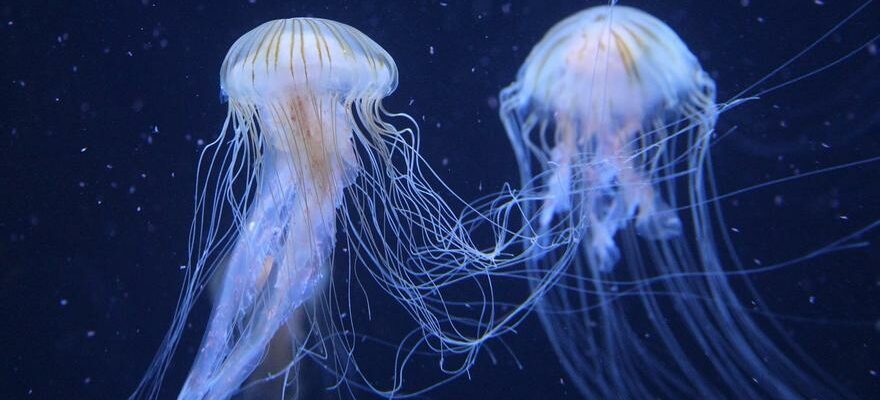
{"x": 274, "y": 268}
{"x": 558, "y": 190}
{"x": 281, "y": 257}
{"x": 613, "y": 189}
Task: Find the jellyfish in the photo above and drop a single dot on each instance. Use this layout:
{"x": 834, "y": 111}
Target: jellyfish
{"x": 302, "y": 93}
{"x": 306, "y": 167}
{"x": 612, "y": 119}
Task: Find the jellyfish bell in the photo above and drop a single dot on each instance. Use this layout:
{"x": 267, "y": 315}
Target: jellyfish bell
{"x": 282, "y": 58}
{"x": 611, "y": 119}
{"x": 617, "y": 64}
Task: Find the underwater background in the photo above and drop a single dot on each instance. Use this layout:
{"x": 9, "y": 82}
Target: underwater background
{"x": 106, "y": 106}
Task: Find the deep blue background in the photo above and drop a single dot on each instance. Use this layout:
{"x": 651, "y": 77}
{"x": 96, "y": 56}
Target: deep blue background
{"x": 105, "y": 105}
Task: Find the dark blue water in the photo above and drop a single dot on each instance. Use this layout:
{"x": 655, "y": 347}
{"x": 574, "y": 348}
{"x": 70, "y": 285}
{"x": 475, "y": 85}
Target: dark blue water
{"x": 106, "y": 106}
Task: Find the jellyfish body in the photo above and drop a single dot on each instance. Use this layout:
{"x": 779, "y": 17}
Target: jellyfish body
{"x": 271, "y": 185}
{"x": 595, "y": 79}
{"x": 611, "y": 119}
{"x": 289, "y": 84}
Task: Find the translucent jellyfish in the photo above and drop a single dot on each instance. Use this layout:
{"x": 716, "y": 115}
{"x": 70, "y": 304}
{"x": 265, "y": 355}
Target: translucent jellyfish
{"x": 306, "y": 159}
{"x": 304, "y": 122}
{"x": 612, "y": 118}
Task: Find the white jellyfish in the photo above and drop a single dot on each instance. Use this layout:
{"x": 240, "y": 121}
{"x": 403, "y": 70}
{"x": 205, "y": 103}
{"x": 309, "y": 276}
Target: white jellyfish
{"x": 612, "y": 119}
{"x": 305, "y": 125}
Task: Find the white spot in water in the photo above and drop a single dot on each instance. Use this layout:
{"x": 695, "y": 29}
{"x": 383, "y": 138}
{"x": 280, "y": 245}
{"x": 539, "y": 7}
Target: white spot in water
{"x": 777, "y": 200}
